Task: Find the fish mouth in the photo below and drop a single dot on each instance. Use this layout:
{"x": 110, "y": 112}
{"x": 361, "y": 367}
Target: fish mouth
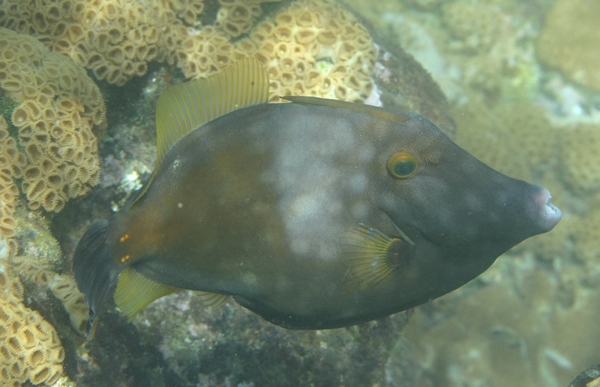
{"x": 548, "y": 214}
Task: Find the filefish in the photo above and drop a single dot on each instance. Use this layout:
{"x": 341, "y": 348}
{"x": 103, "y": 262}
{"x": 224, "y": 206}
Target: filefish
{"x": 313, "y": 213}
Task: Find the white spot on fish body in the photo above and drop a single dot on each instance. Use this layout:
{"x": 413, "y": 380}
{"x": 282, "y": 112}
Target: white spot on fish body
{"x": 175, "y": 164}
{"x": 312, "y": 173}
{"x": 310, "y": 220}
{"x": 249, "y": 279}
{"x": 364, "y": 152}
{"x": 357, "y": 183}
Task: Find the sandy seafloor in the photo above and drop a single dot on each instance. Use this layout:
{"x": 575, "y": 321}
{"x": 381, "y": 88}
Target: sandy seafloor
{"x": 532, "y": 319}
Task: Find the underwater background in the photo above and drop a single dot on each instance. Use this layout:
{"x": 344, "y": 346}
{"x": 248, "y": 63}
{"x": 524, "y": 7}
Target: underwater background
{"x": 515, "y": 83}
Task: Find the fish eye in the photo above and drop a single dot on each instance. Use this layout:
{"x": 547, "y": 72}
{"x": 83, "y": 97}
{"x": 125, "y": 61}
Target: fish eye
{"x": 402, "y": 165}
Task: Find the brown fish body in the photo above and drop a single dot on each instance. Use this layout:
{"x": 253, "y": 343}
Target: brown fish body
{"x": 317, "y": 214}
{"x": 256, "y": 204}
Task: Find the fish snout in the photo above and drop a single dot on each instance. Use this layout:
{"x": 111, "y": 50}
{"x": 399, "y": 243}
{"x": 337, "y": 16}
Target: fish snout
{"x": 547, "y": 213}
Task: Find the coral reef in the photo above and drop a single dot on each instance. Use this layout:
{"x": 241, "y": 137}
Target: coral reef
{"x": 115, "y": 39}
{"x": 569, "y": 40}
{"x": 229, "y": 345}
{"x": 495, "y": 53}
{"x": 580, "y": 166}
{"x": 58, "y": 109}
{"x": 466, "y": 44}
{"x": 515, "y": 138}
{"x": 586, "y": 238}
{"x": 316, "y": 48}
{"x": 485, "y": 136}
{"x": 311, "y": 47}
{"x": 539, "y": 139}
{"x": 39, "y": 271}
{"x": 12, "y": 162}
{"x": 36, "y": 305}
{"x": 30, "y": 348}
{"x": 65, "y": 289}
{"x": 476, "y": 26}
{"x": 512, "y": 331}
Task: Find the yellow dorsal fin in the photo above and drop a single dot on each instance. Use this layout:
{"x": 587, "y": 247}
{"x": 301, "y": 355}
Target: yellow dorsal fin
{"x": 135, "y": 291}
{"x": 212, "y": 300}
{"x": 393, "y": 115}
{"x": 185, "y": 107}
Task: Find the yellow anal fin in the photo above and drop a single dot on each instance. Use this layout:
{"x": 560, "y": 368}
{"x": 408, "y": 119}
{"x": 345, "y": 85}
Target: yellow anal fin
{"x": 392, "y": 115}
{"x": 213, "y": 300}
{"x": 372, "y": 254}
{"x": 135, "y": 291}
{"x": 185, "y": 107}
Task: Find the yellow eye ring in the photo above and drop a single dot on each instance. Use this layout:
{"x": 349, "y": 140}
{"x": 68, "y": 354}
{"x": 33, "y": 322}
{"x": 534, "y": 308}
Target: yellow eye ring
{"x": 402, "y": 165}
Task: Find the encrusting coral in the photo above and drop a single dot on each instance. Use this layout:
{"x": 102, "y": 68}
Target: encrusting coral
{"x": 59, "y": 109}
{"x": 12, "y": 162}
{"x": 50, "y": 151}
{"x": 586, "y": 242}
{"x": 485, "y": 136}
{"x": 490, "y": 48}
{"x": 313, "y": 47}
{"x": 114, "y": 39}
{"x": 580, "y": 166}
{"x": 476, "y": 25}
{"x": 569, "y": 40}
{"x": 30, "y": 349}
{"x": 515, "y": 138}
{"x": 309, "y": 48}
{"x": 316, "y": 48}
{"x": 63, "y": 287}
{"x": 513, "y": 332}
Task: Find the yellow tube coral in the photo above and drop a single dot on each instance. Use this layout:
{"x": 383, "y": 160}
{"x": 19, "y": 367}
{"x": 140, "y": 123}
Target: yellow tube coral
{"x": 30, "y": 349}
{"x": 569, "y": 40}
{"x": 312, "y": 47}
{"x": 59, "y": 110}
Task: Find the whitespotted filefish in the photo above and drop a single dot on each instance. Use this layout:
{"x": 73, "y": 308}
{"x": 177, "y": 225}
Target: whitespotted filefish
{"x": 314, "y": 213}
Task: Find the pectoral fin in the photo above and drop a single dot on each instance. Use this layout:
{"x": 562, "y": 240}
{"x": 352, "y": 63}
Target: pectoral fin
{"x": 372, "y": 255}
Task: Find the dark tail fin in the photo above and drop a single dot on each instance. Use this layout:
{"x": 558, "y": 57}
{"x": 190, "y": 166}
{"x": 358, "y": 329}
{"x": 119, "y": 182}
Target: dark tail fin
{"x": 93, "y": 269}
